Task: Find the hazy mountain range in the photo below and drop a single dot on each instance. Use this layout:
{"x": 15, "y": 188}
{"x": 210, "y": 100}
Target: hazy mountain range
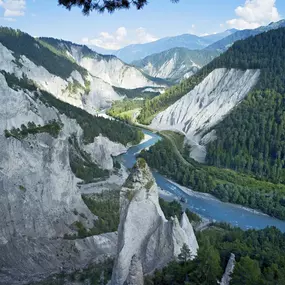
{"x": 139, "y": 51}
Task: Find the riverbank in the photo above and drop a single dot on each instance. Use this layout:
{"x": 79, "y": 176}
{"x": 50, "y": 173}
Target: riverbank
{"x": 208, "y": 207}
{"x": 146, "y": 138}
{"x": 208, "y": 196}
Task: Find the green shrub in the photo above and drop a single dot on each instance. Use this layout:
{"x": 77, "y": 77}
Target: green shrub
{"x": 22, "y": 188}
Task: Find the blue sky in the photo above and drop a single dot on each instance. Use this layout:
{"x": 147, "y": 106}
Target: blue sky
{"x": 160, "y": 18}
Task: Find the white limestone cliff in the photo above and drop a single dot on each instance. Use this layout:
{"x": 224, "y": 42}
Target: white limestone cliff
{"x": 102, "y": 150}
{"x": 146, "y": 240}
{"x": 100, "y": 94}
{"x": 203, "y": 107}
{"x": 108, "y": 68}
{"x": 172, "y": 68}
{"x": 39, "y": 195}
{"x": 116, "y": 73}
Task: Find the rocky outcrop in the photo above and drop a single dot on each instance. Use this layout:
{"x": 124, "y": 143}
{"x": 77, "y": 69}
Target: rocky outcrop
{"x": 229, "y": 270}
{"x": 203, "y": 107}
{"x": 115, "y": 72}
{"x": 39, "y": 197}
{"x": 102, "y": 150}
{"x": 146, "y": 240}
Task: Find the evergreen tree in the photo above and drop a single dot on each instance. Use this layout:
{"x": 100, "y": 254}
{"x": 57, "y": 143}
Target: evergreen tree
{"x": 208, "y": 269}
{"x": 246, "y": 272}
{"x": 185, "y": 253}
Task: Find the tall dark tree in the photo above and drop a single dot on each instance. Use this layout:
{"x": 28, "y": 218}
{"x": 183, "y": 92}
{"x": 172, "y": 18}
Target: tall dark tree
{"x": 247, "y": 272}
{"x": 185, "y": 253}
{"x": 104, "y": 5}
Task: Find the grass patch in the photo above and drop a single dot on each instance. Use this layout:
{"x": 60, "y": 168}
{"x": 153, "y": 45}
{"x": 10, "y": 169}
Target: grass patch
{"x": 177, "y": 138}
{"x": 149, "y": 184}
{"x": 125, "y": 110}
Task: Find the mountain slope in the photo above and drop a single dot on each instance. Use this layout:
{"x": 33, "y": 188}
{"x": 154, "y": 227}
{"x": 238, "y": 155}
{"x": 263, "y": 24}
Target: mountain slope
{"x": 223, "y": 44}
{"x": 48, "y": 147}
{"x": 204, "y": 106}
{"x": 218, "y": 36}
{"x": 40, "y": 200}
{"x": 55, "y": 70}
{"x": 106, "y": 67}
{"x": 138, "y": 51}
{"x": 175, "y": 64}
{"x": 250, "y": 138}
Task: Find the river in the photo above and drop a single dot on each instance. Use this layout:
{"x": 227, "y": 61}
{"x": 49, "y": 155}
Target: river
{"x": 203, "y": 204}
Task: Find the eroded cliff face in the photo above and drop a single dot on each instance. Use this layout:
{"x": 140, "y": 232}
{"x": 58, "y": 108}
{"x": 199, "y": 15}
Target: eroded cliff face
{"x": 102, "y": 150}
{"x": 146, "y": 240}
{"x": 116, "y": 73}
{"x": 109, "y": 68}
{"x": 81, "y": 90}
{"x": 39, "y": 197}
{"x": 203, "y": 107}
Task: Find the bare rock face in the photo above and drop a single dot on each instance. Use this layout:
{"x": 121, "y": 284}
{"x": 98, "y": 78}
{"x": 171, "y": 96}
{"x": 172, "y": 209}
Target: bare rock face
{"x": 39, "y": 196}
{"x": 146, "y": 240}
{"x": 229, "y": 270}
{"x": 204, "y": 106}
{"x": 102, "y": 150}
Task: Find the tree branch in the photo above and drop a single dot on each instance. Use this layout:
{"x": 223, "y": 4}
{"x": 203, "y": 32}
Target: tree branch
{"x": 104, "y": 5}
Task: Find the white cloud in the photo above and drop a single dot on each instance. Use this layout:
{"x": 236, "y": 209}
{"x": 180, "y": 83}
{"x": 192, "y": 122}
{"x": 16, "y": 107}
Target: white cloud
{"x": 120, "y": 38}
{"x": 254, "y": 13}
{"x": 8, "y": 19}
{"x": 143, "y": 36}
{"x": 207, "y": 34}
{"x": 121, "y": 33}
{"x": 13, "y": 8}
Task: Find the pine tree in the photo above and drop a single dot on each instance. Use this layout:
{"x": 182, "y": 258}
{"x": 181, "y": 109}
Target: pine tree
{"x": 185, "y": 253}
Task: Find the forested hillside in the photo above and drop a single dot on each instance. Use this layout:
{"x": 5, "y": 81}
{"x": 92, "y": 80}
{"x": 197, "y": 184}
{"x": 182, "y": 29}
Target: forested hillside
{"x": 259, "y": 255}
{"x": 225, "y": 184}
{"x": 263, "y": 51}
{"x": 251, "y": 139}
{"x": 159, "y": 103}
{"x": 225, "y": 43}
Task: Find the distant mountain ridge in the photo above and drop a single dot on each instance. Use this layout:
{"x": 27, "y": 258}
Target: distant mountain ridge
{"x": 223, "y": 44}
{"x": 139, "y": 51}
{"x": 175, "y": 64}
